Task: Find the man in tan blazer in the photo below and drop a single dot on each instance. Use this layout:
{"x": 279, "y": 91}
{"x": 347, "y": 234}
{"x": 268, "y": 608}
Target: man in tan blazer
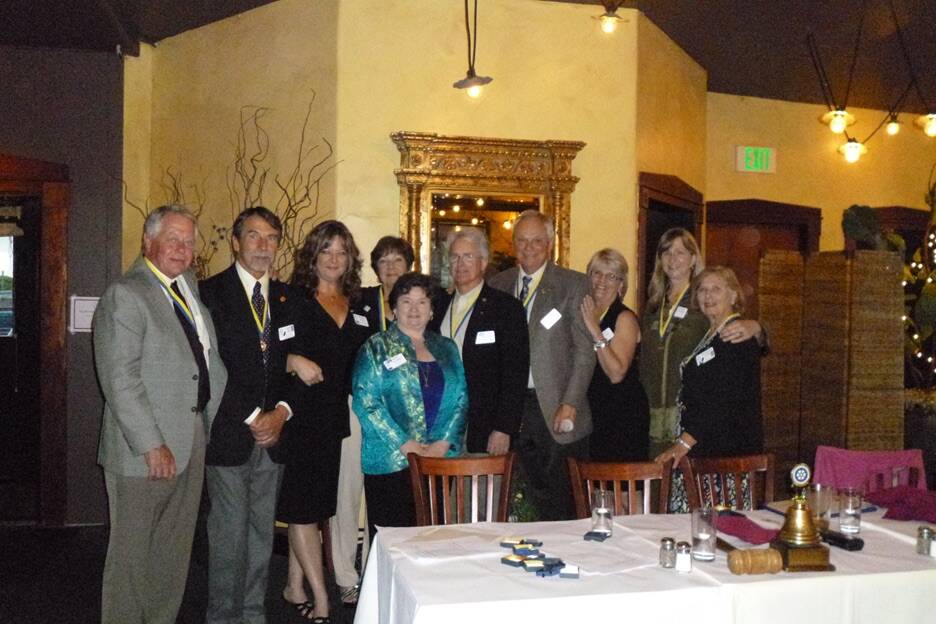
{"x": 556, "y": 419}
{"x": 156, "y": 356}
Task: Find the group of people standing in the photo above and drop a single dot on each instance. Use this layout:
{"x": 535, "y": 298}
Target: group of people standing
{"x": 306, "y": 393}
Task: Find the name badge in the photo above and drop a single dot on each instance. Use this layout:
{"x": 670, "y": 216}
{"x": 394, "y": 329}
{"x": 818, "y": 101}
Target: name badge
{"x": 705, "y": 356}
{"x": 608, "y": 333}
{"x": 484, "y": 337}
{"x": 361, "y": 320}
{"x": 550, "y": 319}
{"x": 286, "y": 332}
{"x": 396, "y": 361}
{"x": 680, "y": 312}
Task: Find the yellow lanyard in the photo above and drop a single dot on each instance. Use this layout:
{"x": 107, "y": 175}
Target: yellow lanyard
{"x": 381, "y": 310}
{"x": 533, "y": 288}
{"x": 664, "y": 323}
{"x": 711, "y": 333}
{"x": 454, "y": 327}
{"x": 183, "y": 307}
{"x": 253, "y": 311}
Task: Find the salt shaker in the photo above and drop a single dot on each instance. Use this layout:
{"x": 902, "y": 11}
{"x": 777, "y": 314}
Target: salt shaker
{"x": 683, "y": 557}
{"x": 924, "y": 540}
{"x": 668, "y": 552}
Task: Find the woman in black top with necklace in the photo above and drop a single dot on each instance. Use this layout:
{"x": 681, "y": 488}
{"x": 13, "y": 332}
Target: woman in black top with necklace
{"x": 620, "y": 412}
{"x": 328, "y": 335}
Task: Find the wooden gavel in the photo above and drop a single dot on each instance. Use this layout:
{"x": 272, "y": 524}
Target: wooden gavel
{"x": 751, "y": 560}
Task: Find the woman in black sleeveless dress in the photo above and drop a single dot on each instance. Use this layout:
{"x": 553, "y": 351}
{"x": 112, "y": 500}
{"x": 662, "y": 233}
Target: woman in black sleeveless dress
{"x": 620, "y": 411}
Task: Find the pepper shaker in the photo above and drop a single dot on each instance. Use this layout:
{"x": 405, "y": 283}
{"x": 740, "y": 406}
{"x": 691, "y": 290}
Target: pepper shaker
{"x": 668, "y": 552}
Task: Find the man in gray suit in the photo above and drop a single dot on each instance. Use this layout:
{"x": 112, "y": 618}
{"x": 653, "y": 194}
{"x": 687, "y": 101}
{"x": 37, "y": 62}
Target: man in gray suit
{"x": 158, "y": 366}
{"x": 556, "y": 419}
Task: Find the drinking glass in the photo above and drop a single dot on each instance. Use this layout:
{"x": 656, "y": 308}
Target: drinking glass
{"x": 820, "y": 499}
{"x": 602, "y": 510}
{"x": 704, "y": 534}
{"x": 850, "y": 510}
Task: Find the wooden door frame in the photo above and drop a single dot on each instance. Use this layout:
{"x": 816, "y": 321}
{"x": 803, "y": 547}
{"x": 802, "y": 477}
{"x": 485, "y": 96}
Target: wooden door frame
{"x": 49, "y": 182}
{"x": 669, "y": 190}
{"x": 765, "y": 212}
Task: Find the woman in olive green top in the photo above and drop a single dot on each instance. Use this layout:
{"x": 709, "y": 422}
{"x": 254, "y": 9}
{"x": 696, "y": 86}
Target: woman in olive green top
{"x": 670, "y": 329}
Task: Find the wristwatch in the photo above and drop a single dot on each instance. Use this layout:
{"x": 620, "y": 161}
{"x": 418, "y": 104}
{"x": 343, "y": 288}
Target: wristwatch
{"x": 600, "y": 344}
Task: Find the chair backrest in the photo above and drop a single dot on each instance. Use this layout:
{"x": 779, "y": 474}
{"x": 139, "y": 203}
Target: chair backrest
{"x": 441, "y": 486}
{"x": 871, "y": 470}
{"x": 741, "y": 482}
{"x": 631, "y": 483}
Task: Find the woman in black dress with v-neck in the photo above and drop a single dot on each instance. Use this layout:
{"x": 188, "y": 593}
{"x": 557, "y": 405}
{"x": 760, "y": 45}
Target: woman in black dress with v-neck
{"x": 328, "y": 335}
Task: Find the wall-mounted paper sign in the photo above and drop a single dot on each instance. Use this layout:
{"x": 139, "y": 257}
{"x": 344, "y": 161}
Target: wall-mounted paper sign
{"x": 82, "y": 311}
{"x": 753, "y": 159}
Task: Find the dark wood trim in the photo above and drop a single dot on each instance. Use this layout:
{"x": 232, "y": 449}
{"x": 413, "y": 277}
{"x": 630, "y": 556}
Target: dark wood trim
{"x": 897, "y": 218}
{"x": 49, "y": 182}
{"x": 762, "y": 211}
{"x": 669, "y": 190}
{"x": 17, "y": 169}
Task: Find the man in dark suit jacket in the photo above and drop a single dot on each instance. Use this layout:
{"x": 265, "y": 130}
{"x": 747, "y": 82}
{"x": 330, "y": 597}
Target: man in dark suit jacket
{"x": 490, "y": 329}
{"x": 251, "y": 313}
{"x": 156, "y": 356}
{"x": 556, "y": 419}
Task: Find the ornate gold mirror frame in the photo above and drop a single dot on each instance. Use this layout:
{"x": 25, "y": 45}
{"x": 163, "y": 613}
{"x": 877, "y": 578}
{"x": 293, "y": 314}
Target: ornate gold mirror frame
{"x": 433, "y": 163}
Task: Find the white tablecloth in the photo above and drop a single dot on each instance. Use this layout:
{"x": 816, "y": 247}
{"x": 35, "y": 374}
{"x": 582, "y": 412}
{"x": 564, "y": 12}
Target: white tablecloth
{"x": 454, "y": 574}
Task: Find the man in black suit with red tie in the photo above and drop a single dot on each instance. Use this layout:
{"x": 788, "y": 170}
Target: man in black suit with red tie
{"x": 251, "y": 313}
{"x": 491, "y": 332}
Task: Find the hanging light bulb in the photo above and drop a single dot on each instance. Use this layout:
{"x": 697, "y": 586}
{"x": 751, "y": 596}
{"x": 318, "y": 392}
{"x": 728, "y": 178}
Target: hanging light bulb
{"x": 456, "y": 208}
{"x": 852, "y": 150}
{"x": 893, "y": 126}
{"x": 609, "y": 19}
{"x": 474, "y": 220}
{"x": 838, "y": 120}
{"x": 479, "y": 202}
{"x": 507, "y": 225}
{"x": 927, "y": 123}
{"x": 472, "y": 82}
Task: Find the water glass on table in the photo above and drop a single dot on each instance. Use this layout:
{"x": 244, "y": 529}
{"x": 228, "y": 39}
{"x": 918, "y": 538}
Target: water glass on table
{"x": 850, "y": 510}
{"x": 704, "y": 534}
{"x": 602, "y": 510}
{"x": 820, "y": 499}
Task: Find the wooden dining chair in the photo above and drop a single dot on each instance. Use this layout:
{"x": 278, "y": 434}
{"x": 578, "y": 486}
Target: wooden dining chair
{"x": 441, "y": 486}
{"x": 631, "y": 482}
{"x": 741, "y": 482}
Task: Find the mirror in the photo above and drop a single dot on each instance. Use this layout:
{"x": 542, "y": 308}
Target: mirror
{"x": 507, "y": 176}
{"x": 492, "y": 214}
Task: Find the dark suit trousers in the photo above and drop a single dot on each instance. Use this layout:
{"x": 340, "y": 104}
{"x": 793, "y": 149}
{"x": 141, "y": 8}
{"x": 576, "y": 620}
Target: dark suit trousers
{"x": 543, "y": 463}
{"x": 240, "y": 537}
{"x": 152, "y": 524}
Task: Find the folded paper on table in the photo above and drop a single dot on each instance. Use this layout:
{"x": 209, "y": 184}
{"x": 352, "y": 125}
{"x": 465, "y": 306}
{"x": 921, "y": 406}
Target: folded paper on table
{"x": 741, "y": 527}
{"x": 906, "y": 503}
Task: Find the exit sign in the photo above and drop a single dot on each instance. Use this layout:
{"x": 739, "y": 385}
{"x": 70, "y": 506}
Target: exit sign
{"x": 751, "y": 159}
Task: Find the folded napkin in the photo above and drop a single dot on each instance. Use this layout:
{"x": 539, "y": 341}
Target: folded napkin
{"x": 906, "y": 503}
{"x": 749, "y": 531}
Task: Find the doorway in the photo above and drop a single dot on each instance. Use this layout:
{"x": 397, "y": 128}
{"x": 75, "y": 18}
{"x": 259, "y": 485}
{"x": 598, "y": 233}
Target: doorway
{"x": 665, "y": 202}
{"x": 34, "y": 199}
{"x": 19, "y": 357}
{"x": 739, "y": 232}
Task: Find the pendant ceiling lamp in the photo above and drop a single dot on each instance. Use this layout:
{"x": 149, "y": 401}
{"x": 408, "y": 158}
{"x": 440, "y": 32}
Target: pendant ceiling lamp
{"x": 609, "y": 19}
{"x": 472, "y": 82}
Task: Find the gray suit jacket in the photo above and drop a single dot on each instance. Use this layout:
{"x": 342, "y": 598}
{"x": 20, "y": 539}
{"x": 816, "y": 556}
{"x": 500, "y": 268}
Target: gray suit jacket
{"x": 562, "y": 358}
{"x": 148, "y": 374}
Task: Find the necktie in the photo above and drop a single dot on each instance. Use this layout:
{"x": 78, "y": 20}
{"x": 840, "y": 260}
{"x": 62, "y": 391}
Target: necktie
{"x": 258, "y": 305}
{"x": 191, "y": 333}
{"x": 524, "y": 291}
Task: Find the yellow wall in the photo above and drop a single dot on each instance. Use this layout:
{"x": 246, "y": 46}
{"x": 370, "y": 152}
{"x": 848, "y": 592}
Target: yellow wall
{"x": 275, "y": 56}
{"x": 555, "y": 77}
{"x": 671, "y": 108}
{"x": 810, "y": 171}
{"x": 137, "y": 138}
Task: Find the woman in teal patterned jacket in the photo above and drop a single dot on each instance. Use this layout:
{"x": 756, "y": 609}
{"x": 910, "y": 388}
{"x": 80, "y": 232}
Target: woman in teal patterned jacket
{"x": 410, "y": 396}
